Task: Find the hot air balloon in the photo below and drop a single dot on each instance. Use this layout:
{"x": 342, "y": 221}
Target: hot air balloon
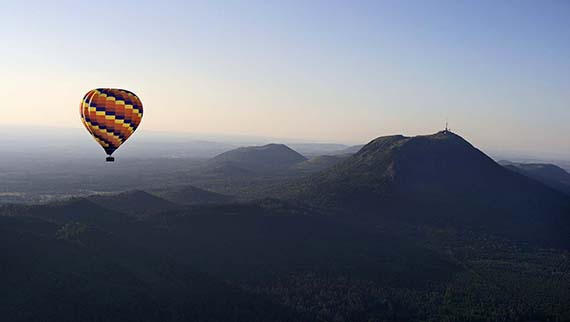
{"x": 111, "y": 116}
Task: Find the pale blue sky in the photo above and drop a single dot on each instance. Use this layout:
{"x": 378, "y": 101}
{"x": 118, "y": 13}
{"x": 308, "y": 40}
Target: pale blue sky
{"x": 342, "y": 71}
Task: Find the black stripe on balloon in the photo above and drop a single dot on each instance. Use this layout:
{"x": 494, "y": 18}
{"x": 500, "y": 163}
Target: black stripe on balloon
{"x": 109, "y": 113}
{"x": 125, "y": 98}
{"x": 103, "y": 127}
{"x": 110, "y": 147}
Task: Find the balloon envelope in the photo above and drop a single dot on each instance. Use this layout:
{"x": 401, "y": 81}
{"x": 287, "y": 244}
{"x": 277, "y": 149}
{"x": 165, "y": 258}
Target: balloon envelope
{"x": 111, "y": 116}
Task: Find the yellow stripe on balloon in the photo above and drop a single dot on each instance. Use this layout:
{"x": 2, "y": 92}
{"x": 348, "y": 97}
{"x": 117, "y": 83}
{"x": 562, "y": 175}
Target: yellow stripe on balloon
{"x": 103, "y": 143}
{"x": 127, "y": 126}
{"x": 104, "y": 131}
{"x": 119, "y": 121}
{"x": 135, "y": 110}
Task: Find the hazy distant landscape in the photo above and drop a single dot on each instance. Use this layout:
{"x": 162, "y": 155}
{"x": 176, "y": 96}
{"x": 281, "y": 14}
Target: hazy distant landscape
{"x": 406, "y": 228}
{"x": 40, "y": 167}
{"x": 66, "y": 162}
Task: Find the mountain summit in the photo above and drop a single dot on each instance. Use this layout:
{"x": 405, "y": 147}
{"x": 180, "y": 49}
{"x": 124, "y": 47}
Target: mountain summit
{"x": 441, "y": 179}
{"x": 423, "y": 166}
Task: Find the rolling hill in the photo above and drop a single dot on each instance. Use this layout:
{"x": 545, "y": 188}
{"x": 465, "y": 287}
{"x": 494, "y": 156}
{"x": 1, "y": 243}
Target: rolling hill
{"x": 76, "y": 209}
{"x": 256, "y": 159}
{"x": 135, "y": 202}
{"x": 320, "y": 163}
{"x": 549, "y": 174}
{"x": 190, "y": 195}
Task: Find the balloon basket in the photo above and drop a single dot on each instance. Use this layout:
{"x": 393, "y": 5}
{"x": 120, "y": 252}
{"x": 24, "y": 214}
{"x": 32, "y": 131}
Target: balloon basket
{"x": 110, "y": 159}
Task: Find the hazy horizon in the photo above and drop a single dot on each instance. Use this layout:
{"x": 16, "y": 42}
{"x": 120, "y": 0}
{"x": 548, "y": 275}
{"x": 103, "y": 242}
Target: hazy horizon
{"x": 498, "y": 71}
{"x": 76, "y": 141}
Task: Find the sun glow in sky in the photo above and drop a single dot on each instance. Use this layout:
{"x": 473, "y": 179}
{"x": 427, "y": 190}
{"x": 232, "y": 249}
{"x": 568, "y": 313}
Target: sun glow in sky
{"x": 338, "y": 71}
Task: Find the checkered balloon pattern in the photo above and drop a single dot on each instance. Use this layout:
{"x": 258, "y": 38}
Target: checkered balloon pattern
{"x": 111, "y": 116}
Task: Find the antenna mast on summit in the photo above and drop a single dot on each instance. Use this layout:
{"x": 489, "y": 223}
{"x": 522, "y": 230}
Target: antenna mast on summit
{"x": 446, "y": 126}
